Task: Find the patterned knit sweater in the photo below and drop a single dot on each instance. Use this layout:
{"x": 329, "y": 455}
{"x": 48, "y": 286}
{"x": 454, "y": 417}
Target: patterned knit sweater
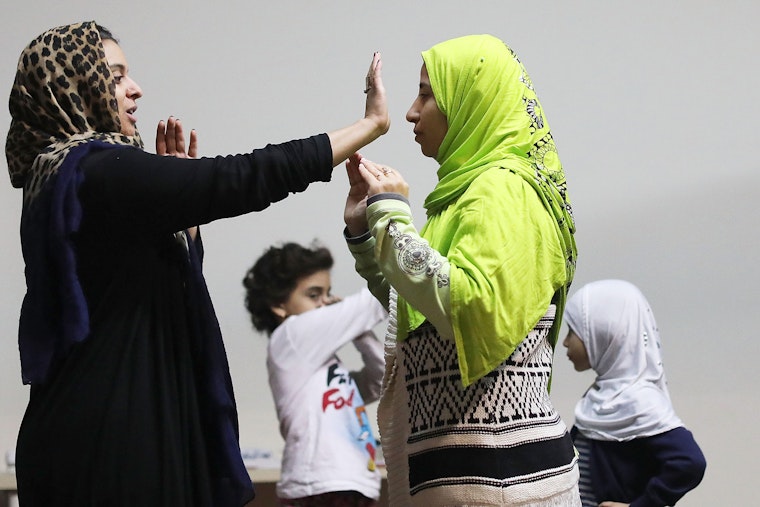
{"x": 499, "y": 441}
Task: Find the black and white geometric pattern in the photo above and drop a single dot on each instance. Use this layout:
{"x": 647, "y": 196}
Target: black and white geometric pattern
{"x": 513, "y": 393}
{"x": 498, "y": 438}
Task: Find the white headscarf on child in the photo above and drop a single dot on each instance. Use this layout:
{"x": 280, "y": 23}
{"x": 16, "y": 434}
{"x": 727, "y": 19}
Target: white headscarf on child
{"x": 629, "y": 397}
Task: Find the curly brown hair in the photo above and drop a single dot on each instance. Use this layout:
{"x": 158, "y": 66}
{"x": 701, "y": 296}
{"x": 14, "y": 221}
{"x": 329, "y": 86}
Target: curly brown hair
{"x": 274, "y": 276}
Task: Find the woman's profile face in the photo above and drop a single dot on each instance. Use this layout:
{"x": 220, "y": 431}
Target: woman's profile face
{"x": 430, "y": 124}
{"x": 127, "y": 91}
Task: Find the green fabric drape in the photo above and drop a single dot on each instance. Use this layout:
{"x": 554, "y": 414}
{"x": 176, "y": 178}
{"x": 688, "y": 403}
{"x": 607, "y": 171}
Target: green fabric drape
{"x": 495, "y": 123}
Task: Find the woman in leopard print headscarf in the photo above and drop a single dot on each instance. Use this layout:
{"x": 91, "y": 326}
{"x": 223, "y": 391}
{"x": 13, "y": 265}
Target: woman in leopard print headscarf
{"x": 63, "y": 96}
{"x": 131, "y": 399}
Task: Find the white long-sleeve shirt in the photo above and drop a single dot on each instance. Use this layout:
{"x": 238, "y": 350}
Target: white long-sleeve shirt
{"x": 329, "y": 444}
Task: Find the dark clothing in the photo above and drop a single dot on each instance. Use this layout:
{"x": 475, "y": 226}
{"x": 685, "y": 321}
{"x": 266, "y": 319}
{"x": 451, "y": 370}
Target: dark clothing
{"x": 140, "y": 410}
{"x": 331, "y": 499}
{"x": 651, "y": 471}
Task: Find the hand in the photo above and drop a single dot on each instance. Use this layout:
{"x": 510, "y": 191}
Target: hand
{"x": 331, "y": 300}
{"x": 376, "y": 107}
{"x": 355, "y": 214}
{"x": 381, "y": 179}
{"x": 376, "y": 122}
{"x": 613, "y": 504}
{"x": 170, "y": 140}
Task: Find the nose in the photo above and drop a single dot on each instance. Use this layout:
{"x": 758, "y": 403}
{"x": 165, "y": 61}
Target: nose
{"x": 413, "y": 115}
{"x": 565, "y": 341}
{"x": 133, "y": 89}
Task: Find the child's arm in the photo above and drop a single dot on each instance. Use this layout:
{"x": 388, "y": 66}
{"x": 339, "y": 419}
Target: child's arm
{"x": 311, "y": 338}
{"x": 369, "y": 379}
{"x": 682, "y": 468}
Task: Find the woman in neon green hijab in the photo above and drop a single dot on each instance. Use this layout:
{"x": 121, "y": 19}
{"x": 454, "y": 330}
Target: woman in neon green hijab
{"x": 476, "y": 296}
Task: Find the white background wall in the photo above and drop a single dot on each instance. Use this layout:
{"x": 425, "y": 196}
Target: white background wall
{"x": 653, "y": 105}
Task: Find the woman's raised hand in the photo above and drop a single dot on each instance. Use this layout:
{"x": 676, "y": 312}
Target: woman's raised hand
{"x": 376, "y": 122}
{"x": 170, "y": 140}
{"x": 365, "y": 179}
{"x": 355, "y": 213}
{"x": 376, "y": 108}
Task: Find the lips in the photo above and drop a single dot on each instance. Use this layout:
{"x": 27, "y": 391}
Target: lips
{"x": 131, "y": 114}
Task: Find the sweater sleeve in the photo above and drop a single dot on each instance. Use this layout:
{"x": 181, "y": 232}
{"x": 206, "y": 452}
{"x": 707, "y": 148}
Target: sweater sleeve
{"x": 128, "y": 187}
{"x": 362, "y": 248}
{"x": 682, "y": 466}
{"x": 422, "y": 277}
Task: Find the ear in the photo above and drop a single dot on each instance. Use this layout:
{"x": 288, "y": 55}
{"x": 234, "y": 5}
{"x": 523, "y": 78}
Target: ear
{"x": 279, "y": 311}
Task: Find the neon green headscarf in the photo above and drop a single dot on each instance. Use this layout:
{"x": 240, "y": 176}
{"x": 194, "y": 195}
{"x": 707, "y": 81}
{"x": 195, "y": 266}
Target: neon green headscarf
{"x": 494, "y": 121}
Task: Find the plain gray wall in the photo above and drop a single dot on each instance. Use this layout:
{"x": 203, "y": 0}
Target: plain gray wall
{"x": 653, "y": 105}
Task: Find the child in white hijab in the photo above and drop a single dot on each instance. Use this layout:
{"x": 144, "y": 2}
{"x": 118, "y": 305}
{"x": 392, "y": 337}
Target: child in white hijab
{"x": 634, "y": 450}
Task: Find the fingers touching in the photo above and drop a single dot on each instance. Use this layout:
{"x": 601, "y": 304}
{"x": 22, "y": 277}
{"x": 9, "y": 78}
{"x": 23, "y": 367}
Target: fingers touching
{"x": 382, "y": 179}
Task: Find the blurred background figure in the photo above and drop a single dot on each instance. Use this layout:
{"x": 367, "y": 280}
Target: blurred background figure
{"x": 634, "y": 450}
{"x": 330, "y": 450}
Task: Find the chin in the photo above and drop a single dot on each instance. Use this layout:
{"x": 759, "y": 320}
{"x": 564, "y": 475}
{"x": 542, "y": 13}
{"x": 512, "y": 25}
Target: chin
{"x": 127, "y": 127}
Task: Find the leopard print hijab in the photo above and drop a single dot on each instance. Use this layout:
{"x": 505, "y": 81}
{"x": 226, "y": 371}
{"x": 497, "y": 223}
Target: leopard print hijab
{"x": 63, "y": 96}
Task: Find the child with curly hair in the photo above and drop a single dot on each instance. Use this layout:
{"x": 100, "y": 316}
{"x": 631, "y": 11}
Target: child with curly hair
{"x": 329, "y": 455}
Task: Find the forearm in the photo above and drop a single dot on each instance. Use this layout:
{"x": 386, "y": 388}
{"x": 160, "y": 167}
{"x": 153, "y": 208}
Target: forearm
{"x": 348, "y": 140}
{"x": 369, "y": 379}
{"x": 419, "y": 273}
{"x": 363, "y": 250}
{"x": 311, "y": 338}
{"x": 141, "y": 191}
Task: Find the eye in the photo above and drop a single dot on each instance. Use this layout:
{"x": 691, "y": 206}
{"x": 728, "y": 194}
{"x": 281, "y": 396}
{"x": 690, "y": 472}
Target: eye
{"x": 118, "y": 78}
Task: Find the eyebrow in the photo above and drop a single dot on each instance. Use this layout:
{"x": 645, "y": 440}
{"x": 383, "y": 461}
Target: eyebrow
{"x": 118, "y": 66}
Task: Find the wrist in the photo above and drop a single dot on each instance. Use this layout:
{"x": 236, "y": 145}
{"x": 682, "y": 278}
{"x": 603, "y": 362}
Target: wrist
{"x": 373, "y": 126}
{"x": 357, "y": 239}
{"x": 356, "y": 230}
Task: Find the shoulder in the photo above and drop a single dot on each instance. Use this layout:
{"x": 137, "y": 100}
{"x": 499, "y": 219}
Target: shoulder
{"x": 680, "y": 438}
{"x": 501, "y": 194}
{"x": 100, "y": 154}
{"x": 503, "y": 186}
{"x": 678, "y": 434}
{"x": 109, "y": 162}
